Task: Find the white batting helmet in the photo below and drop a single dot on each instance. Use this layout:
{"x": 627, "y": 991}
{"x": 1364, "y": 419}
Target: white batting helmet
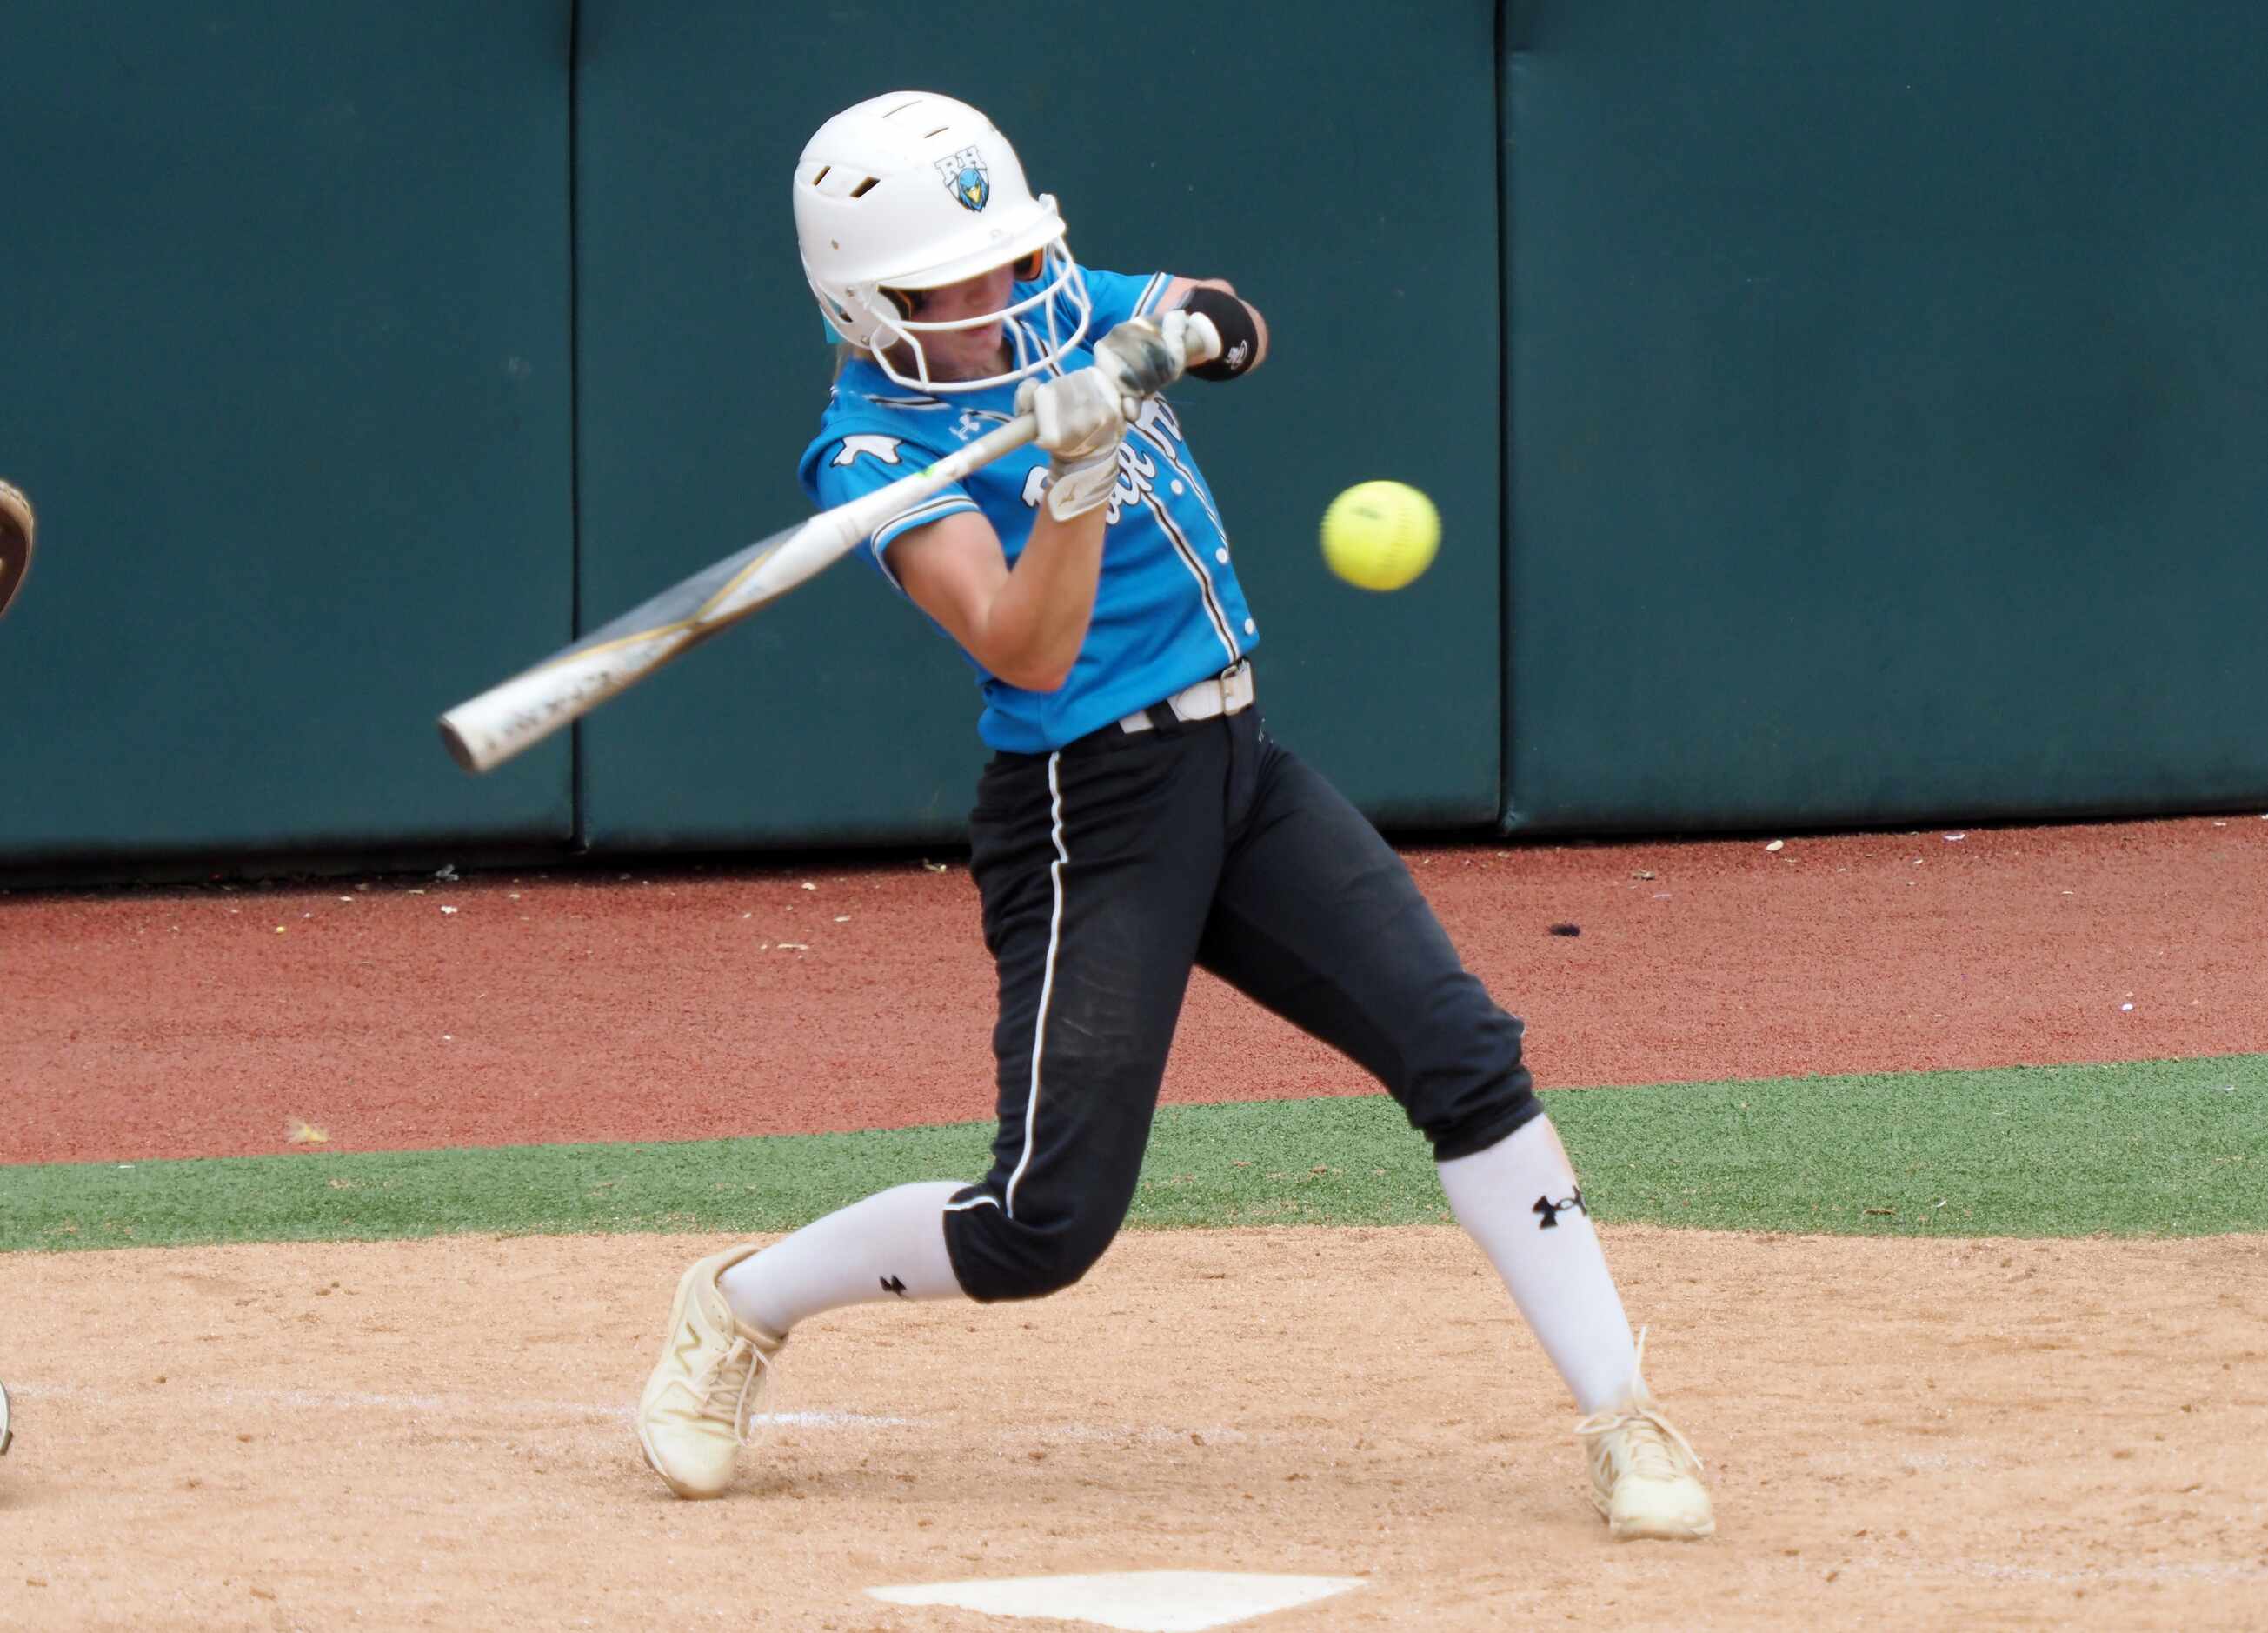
{"x": 914, "y": 190}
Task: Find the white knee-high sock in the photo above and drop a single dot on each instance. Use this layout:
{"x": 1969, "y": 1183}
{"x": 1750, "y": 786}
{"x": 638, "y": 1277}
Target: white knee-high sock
{"x": 891, "y": 1246}
{"x": 1518, "y": 1199}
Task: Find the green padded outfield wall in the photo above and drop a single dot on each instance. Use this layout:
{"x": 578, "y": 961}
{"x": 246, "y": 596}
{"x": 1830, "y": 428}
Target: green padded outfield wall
{"x": 1338, "y": 163}
{"x": 284, "y": 360}
{"x": 1890, "y": 401}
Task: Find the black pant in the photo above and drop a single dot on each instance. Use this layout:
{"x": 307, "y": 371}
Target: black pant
{"x": 1110, "y": 866}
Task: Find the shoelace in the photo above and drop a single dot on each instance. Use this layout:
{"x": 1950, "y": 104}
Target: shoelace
{"x": 733, "y": 1374}
{"x": 1651, "y": 1435}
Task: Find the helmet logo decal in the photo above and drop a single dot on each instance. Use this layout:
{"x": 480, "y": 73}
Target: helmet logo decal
{"x": 966, "y": 179}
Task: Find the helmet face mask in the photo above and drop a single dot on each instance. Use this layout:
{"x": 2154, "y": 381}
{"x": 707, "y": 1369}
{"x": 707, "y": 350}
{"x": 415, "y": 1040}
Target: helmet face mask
{"x": 897, "y": 341}
{"x": 914, "y": 191}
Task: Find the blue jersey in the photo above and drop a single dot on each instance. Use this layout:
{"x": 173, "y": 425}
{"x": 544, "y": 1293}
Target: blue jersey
{"x": 1168, "y": 611}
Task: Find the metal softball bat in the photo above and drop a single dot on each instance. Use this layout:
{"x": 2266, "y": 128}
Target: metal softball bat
{"x": 482, "y": 733}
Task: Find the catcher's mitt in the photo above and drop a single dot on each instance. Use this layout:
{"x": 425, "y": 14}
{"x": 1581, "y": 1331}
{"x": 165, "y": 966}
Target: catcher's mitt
{"x": 15, "y": 542}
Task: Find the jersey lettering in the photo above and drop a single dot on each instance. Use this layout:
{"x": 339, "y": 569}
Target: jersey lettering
{"x": 1138, "y": 471}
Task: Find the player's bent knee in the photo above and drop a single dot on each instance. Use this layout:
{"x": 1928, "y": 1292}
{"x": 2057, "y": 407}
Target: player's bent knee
{"x": 998, "y": 1258}
{"x": 1460, "y": 1078}
{"x": 1053, "y": 1274}
{"x": 1474, "y": 1121}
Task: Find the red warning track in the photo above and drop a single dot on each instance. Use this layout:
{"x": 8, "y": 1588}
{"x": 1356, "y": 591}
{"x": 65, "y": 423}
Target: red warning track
{"x": 672, "y": 1005}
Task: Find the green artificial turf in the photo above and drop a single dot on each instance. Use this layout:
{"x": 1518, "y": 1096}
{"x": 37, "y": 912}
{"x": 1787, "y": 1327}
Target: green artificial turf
{"x": 2173, "y": 1148}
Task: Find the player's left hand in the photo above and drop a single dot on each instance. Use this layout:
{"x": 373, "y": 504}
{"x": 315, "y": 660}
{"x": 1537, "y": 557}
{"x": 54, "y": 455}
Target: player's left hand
{"x": 1147, "y": 354}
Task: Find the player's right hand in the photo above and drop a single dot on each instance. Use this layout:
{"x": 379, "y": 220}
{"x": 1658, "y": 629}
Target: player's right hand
{"x": 1080, "y": 415}
{"x": 1147, "y": 354}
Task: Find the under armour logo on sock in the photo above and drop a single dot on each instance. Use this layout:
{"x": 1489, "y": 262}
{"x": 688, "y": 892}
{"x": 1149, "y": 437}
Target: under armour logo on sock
{"x": 1551, "y": 1210}
{"x": 891, "y": 1284}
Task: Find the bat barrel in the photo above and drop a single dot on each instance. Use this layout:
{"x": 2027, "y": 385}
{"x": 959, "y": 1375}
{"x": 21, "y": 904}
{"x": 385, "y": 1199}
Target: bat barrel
{"x": 482, "y": 733}
{"x": 477, "y": 737}
{"x": 460, "y": 747}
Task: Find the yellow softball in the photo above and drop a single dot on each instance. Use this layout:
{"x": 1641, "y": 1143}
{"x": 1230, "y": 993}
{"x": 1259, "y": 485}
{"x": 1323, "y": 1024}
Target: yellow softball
{"x": 1379, "y": 536}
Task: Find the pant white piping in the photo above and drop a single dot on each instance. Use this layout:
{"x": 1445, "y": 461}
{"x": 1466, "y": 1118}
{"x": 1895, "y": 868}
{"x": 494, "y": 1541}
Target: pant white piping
{"x": 1048, "y": 982}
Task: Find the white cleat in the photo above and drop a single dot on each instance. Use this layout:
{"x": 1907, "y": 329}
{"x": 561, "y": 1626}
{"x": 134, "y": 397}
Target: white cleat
{"x": 1646, "y": 1479}
{"x": 698, "y": 1403}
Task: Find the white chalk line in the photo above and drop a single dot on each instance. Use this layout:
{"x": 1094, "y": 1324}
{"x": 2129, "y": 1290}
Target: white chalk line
{"x": 1921, "y": 1568}
{"x": 462, "y": 1406}
{"x": 2195, "y": 1571}
{"x": 477, "y": 1405}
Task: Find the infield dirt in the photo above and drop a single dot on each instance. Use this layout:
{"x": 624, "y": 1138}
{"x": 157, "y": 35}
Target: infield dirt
{"x": 436, "y": 1434}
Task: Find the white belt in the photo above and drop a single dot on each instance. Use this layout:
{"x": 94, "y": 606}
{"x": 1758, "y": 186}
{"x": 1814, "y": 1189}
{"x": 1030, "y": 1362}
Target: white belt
{"x": 1208, "y": 700}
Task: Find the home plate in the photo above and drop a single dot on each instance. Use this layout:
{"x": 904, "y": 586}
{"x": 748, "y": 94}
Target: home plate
{"x": 1141, "y": 1602}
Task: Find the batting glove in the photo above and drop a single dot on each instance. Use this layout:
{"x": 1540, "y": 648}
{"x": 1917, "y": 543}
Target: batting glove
{"x": 1147, "y": 354}
{"x": 1081, "y": 417}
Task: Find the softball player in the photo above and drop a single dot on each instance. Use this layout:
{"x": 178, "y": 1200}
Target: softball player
{"x": 1136, "y": 818}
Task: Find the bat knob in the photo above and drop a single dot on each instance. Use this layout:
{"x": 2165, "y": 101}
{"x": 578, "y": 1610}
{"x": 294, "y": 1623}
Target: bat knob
{"x": 1202, "y": 338}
